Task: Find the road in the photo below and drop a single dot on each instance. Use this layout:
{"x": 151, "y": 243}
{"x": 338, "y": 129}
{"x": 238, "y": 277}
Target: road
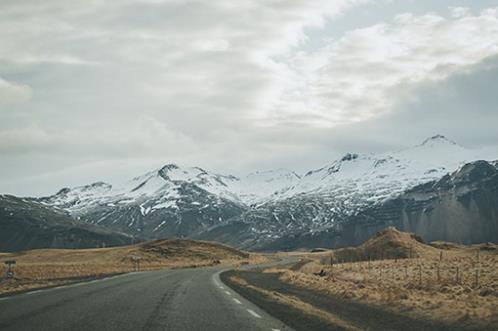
{"x": 182, "y": 299}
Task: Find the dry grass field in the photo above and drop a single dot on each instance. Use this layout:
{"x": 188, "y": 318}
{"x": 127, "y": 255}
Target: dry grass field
{"x": 442, "y": 281}
{"x": 46, "y": 267}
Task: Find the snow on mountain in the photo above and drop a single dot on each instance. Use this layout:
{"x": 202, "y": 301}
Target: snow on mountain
{"x": 381, "y": 176}
{"x": 163, "y": 184}
{"x": 362, "y": 178}
{"x": 181, "y": 201}
{"x": 78, "y": 196}
{"x": 166, "y": 181}
{"x": 325, "y": 197}
{"x": 260, "y": 185}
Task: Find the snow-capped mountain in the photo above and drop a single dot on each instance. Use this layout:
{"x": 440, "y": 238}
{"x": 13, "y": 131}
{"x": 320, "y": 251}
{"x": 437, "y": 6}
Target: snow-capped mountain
{"x": 263, "y": 206}
{"x": 384, "y": 175}
{"x": 170, "y": 201}
{"x": 327, "y": 197}
{"x": 460, "y": 207}
{"x": 166, "y": 181}
{"x": 261, "y": 185}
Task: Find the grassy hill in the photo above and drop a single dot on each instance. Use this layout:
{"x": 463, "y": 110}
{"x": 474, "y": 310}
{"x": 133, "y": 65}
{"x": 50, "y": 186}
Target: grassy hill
{"x": 43, "y": 267}
{"x": 387, "y": 244}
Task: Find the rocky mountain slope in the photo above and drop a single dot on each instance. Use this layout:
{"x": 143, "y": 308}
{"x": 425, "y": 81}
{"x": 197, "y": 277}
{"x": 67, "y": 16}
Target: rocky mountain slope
{"x": 169, "y": 202}
{"x": 326, "y": 199}
{"x": 28, "y": 225}
{"x": 264, "y": 210}
{"x": 461, "y": 207}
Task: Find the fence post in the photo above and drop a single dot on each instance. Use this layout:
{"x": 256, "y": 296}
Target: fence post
{"x": 477, "y": 276}
{"x": 420, "y": 275}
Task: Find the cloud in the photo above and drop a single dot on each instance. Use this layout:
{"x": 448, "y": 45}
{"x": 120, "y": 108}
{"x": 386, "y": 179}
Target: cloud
{"x": 352, "y": 78}
{"x": 11, "y": 93}
{"x": 230, "y": 86}
{"x": 191, "y": 65}
{"x": 142, "y": 137}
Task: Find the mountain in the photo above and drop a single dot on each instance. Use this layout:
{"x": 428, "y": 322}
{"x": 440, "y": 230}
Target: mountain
{"x": 172, "y": 201}
{"x": 167, "y": 202}
{"x": 275, "y": 209}
{"x": 460, "y": 207}
{"x": 260, "y": 185}
{"x": 326, "y": 199}
{"x": 27, "y": 225}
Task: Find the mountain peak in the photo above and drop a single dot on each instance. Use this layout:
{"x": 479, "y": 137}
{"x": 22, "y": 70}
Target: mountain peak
{"x": 349, "y": 157}
{"x": 170, "y": 166}
{"x": 437, "y": 139}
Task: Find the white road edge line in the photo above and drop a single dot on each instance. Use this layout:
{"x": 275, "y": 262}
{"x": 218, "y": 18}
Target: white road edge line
{"x": 32, "y": 292}
{"x": 228, "y": 293}
{"x": 275, "y": 329}
{"x": 237, "y": 301}
{"x": 253, "y": 313}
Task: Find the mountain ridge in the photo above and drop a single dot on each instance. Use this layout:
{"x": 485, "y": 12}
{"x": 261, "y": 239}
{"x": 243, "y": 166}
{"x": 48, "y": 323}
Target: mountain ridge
{"x": 175, "y": 201}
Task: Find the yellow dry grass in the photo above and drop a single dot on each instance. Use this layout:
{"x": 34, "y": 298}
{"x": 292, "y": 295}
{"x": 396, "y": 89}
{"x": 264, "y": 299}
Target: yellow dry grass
{"x": 43, "y": 267}
{"x": 458, "y": 284}
{"x": 292, "y": 301}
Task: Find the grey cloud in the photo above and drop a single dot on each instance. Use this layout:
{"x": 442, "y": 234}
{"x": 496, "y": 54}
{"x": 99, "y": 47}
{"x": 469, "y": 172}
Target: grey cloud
{"x": 118, "y": 88}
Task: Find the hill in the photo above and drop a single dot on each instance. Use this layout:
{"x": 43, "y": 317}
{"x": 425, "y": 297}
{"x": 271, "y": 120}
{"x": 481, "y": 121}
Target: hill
{"x": 43, "y": 267}
{"x": 27, "y": 224}
{"x": 387, "y": 244}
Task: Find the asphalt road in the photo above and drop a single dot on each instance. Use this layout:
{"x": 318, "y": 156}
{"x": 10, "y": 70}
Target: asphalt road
{"x": 182, "y": 299}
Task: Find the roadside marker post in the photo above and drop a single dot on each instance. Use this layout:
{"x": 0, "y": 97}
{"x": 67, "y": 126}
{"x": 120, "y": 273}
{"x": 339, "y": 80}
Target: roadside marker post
{"x": 136, "y": 262}
{"x": 10, "y": 272}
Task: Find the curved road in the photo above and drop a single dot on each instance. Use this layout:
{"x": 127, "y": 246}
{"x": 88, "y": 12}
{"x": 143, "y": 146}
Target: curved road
{"x": 182, "y": 299}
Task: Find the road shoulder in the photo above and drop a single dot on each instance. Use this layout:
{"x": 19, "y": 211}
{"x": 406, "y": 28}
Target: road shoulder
{"x": 306, "y": 309}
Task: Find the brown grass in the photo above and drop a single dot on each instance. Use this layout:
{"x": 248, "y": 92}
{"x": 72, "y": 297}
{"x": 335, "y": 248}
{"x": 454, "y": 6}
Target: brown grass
{"x": 426, "y": 286}
{"x": 45, "y": 267}
{"x": 297, "y": 303}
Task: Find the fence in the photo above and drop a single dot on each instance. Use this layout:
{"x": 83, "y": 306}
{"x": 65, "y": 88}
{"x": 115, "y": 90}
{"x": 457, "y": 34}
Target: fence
{"x": 471, "y": 270}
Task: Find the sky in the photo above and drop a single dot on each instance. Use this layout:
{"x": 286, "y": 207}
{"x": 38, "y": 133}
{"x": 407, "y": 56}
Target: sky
{"x": 96, "y": 90}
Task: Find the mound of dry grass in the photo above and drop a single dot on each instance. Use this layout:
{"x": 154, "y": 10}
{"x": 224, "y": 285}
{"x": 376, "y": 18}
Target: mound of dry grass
{"x": 454, "y": 284}
{"x": 43, "y": 267}
{"x": 387, "y": 244}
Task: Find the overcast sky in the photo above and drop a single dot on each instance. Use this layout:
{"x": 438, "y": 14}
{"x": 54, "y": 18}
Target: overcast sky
{"x": 106, "y": 90}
